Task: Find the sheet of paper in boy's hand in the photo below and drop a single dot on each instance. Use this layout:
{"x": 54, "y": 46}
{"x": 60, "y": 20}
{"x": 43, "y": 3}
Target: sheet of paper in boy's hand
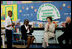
{"x": 17, "y": 21}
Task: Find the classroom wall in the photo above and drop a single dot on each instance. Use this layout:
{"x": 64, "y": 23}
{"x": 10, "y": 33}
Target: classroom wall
{"x": 29, "y": 10}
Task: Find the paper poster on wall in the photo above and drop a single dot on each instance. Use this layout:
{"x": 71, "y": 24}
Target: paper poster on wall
{"x": 5, "y": 9}
{"x": 46, "y": 10}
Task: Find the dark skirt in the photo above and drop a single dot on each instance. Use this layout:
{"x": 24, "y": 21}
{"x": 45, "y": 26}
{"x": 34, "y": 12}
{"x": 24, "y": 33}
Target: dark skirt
{"x": 24, "y": 37}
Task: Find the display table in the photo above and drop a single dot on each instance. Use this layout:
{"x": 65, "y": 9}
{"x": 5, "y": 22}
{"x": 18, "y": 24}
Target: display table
{"x": 59, "y": 28}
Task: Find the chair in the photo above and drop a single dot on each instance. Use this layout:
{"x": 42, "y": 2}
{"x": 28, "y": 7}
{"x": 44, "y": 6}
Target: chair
{"x": 22, "y": 41}
{"x": 25, "y": 42}
{"x": 53, "y": 38}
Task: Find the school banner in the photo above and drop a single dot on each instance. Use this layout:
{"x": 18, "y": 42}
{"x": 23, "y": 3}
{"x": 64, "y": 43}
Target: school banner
{"x": 58, "y": 10}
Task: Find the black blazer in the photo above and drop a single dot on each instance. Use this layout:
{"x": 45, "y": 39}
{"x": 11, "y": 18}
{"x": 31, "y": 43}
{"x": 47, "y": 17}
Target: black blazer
{"x": 67, "y": 30}
{"x": 23, "y": 31}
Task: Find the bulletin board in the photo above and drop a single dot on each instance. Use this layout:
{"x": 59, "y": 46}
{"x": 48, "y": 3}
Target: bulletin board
{"x": 29, "y": 10}
{"x": 5, "y": 9}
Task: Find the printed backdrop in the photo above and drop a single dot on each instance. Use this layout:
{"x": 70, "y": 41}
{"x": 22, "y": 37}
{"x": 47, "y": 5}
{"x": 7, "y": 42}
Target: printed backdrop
{"x": 29, "y": 10}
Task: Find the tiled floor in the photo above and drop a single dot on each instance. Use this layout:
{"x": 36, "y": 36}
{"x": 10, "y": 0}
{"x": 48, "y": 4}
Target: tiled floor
{"x": 34, "y": 46}
{"x": 17, "y": 46}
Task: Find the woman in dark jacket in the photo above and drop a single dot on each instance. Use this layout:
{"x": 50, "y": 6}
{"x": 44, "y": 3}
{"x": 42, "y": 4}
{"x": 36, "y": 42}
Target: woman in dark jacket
{"x": 27, "y": 31}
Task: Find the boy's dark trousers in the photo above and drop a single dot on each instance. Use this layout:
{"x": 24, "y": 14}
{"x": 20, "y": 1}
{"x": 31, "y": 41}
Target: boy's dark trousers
{"x": 9, "y": 38}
